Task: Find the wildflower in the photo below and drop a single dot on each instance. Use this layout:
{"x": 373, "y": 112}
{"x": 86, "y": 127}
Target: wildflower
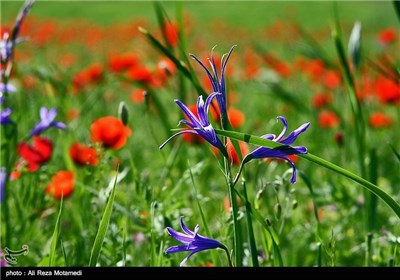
{"x": 47, "y": 120}
{"x": 281, "y": 152}
{"x": 5, "y": 116}
{"x": 379, "y": 119}
{"x": 82, "y": 154}
{"x": 171, "y": 32}
{"x": 233, "y": 156}
{"x": 91, "y": 74}
{"x": 7, "y": 88}
{"x": 138, "y": 95}
{"x": 218, "y": 83}
{"x": 328, "y": 119}
{"x": 200, "y": 124}
{"x": 236, "y": 117}
{"x": 3, "y": 178}
{"x": 387, "y": 91}
{"x": 8, "y": 43}
{"x": 3, "y": 262}
{"x": 110, "y": 131}
{"x": 37, "y": 154}
{"x": 387, "y": 36}
{"x": 61, "y": 185}
{"x": 193, "y": 242}
{"x": 121, "y": 62}
{"x": 320, "y": 100}
{"x": 331, "y": 79}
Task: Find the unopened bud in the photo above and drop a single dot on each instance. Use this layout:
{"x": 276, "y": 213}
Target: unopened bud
{"x": 123, "y": 113}
{"x": 278, "y": 210}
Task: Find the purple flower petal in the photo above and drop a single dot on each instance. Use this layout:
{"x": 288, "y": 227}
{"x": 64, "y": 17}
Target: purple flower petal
{"x": 46, "y": 121}
{"x": 284, "y": 151}
{"x": 193, "y": 242}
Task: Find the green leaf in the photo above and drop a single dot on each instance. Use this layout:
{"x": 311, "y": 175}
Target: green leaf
{"x": 55, "y": 235}
{"x": 324, "y": 163}
{"x": 101, "y": 233}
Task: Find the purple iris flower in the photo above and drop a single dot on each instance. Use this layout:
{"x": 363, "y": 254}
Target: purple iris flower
{"x": 218, "y": 83}
{"x": 200, "y": 125}
{"x": 7, "y": 88}
{"x": 281, "y": 152}
{"x": 3, "y": 176}
{"x": 5, "y": 116}
{"x": 3, "y": 262}
{"x": 47, "y": 121}
{"x": 193, "y": 242}
{"x": 7, "y": 44}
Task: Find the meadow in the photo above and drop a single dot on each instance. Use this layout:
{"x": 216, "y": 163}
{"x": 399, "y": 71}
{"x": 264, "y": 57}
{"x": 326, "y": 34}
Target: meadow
{"x": 91, "y": 91}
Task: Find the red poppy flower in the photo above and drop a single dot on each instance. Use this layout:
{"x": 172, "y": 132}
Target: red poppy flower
{"x": 139, "y": 74}
{"x": 61, "y": 185}
{"x": 37, "y": 154}
{"x": 171, "y": 32}
{"x": 233, "y": 156}
{"x": 236, "y": 117}
{"x": 293, "y": 158}
{"x": 328, "y": 119}
{"x": 123, "y": 62}
{"x": 165, "y": 68}
{"x": 95, "y": 72}
{"x": 137, "y": 96}
{"x": 320, "y": 100}
{"x": 110, "y": 131}
{"x": 331, "y": 79}
{"x": 277, "y": 65}
{"x": 379, "y": 119}
{"x": 82, "y": 154}
{"x": 388, "y": 91}
{"x": 388, "y": 35}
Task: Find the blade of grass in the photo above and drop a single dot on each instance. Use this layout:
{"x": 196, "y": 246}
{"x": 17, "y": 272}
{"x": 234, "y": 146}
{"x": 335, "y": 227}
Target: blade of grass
{"x": 101, "y": 233}
{"x": 55, "y": 235}
{"x": 324, "y": 163}
{"x": 395, "y": 152}
{"x": 250, "y": 230}
{"x": 178, "y": 63}
{"x": 152, "y": 235}
{"x": 63, "y": 252}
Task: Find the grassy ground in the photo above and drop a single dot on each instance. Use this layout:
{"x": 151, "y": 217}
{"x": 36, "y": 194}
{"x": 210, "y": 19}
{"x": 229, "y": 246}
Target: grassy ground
{"x": 247, "y": 14}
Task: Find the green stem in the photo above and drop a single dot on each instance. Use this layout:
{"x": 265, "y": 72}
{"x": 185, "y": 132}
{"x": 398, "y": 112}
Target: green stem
{"x": 237, "y": 240}
{"x": 250, "y": 231}
{"x": 223, "y": 247}
{"x": 368, "y": 253}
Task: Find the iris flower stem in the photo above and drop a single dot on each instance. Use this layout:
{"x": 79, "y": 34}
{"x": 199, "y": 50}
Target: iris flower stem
{"x": 250, "y": 231}
{"x": 237, "y": 240}
{"x": 223, "y": 247}
{"x": 357, "y": 114}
